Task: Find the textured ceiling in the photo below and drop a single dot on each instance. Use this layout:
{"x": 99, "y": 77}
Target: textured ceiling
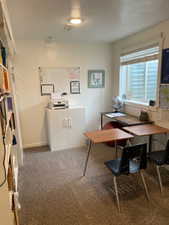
{"x": 104, "y": 20}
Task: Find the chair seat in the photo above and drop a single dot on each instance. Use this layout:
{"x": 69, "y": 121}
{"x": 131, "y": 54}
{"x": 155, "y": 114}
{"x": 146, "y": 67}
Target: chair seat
{"x": 158, "y": 157}
{"x": 114, "y": 166}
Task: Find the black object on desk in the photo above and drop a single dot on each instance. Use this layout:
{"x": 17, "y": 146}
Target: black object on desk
{"x": 144, "y": 116}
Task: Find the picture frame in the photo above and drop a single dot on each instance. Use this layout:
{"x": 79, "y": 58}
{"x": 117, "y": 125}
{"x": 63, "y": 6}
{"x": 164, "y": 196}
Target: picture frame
{"x": 75, "y": 87}
{"x": 47, "y": 89}
{"x": 96, "y": 78}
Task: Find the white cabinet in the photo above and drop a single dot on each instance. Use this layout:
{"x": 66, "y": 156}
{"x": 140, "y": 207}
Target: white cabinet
{"x": 65, "y": 128}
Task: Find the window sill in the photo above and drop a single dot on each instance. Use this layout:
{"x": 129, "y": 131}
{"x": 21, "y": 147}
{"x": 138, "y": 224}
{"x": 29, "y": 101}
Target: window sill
{"x": 136, "y": 103}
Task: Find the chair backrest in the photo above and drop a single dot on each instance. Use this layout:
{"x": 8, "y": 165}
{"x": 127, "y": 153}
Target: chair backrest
{"x": 137, "y": 152}
{"x": 167, "y": 153}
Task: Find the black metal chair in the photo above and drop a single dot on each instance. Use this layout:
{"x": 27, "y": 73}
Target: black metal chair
{"x": 160, "y": 158}
{"x": 133, "y": 160}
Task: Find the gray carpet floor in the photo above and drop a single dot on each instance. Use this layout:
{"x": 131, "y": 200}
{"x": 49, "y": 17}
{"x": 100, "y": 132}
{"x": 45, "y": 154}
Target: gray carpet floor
{"x": 53, "y": 191}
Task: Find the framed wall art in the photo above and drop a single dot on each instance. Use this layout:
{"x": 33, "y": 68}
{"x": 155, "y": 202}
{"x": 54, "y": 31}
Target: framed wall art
{"x": 75, "y": 87}
{"x": 47, "y": 89}
{"x": 96, "y": 78}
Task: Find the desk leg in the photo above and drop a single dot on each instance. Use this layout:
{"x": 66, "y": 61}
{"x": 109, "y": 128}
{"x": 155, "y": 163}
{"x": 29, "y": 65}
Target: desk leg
{"x": 129, "y": 142}
{"x": 101, "y": 121}
{"x": 87, "y": 158}
{"x": 166, "y": 135}
{"x": 150, "y": 144}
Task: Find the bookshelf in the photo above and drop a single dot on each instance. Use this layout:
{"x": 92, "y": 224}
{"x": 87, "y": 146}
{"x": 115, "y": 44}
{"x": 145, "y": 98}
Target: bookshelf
{"x": 8, "y": 174}
{"x": 9, "y": 203}
{"x": 7, "y": 182}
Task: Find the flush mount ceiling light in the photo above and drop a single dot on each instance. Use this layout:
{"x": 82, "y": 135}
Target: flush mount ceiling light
{"x": 75, "y": 21}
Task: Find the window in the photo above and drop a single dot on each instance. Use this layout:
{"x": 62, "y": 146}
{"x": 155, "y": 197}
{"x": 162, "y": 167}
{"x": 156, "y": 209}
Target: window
{"x": 139, "y": 75}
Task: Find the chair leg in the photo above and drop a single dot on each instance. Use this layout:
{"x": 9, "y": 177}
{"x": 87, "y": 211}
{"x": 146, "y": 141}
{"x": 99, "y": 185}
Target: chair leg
{"x": 116, "y": 192}
{"x": 145, "y": 185}
{"x": 115, "y": 145}
{"x": 159, "y": 178}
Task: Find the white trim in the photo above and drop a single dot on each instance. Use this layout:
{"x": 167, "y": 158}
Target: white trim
{"x": 152, "y": 46}
{"x": 140, "y": 45}
{"x": 139, "y": 60}
{"x": 65, "y": 147}
{"x": 132, "y": 103}
{"x": 32, "y": 145}
{"x": 161, "y": 42}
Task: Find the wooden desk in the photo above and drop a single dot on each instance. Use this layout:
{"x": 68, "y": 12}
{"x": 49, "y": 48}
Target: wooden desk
{"x": 126, "y": 120}
{"x": 101, "y": 136}
{"x": 146, "y": 130}
{"x": 131, "y": 121}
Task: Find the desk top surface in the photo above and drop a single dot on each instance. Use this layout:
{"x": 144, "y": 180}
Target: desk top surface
{"x": 145, "y": 130}
{"x": 100, "y": 136}
{"x": 125, "y": 119}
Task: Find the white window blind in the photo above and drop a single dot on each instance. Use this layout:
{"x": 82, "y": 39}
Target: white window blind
{"x": 139, "y": 73}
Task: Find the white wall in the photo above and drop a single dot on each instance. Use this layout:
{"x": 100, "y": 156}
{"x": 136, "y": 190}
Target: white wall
{"x": 31, "y": 55}
{"x": 135, "y": 41}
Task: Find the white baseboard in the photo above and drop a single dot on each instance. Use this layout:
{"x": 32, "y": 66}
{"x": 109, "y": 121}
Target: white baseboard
{"x": 32, "y": 145}
{"x": 65, "y": 147}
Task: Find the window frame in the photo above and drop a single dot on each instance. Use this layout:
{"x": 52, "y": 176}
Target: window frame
{"x": 158, "y": 44}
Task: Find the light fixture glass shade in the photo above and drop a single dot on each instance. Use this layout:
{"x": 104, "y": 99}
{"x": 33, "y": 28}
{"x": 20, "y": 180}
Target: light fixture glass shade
{"x": 75, "y": 21}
